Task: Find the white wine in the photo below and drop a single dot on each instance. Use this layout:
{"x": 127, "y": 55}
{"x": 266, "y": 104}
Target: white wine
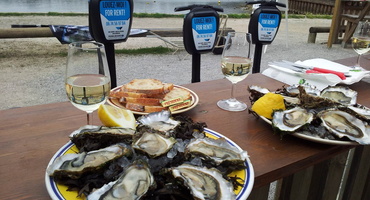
{"x": 88, "y": 91}
{"x": 236, "y": 68}
{"x": 361, "y": 45}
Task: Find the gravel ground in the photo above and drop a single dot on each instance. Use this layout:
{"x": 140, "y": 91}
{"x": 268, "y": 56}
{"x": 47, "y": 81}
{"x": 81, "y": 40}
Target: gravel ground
{"x": 32, "y": 69}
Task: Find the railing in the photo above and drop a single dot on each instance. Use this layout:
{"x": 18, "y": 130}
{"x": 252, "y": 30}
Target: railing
{"x": 309, "y": 6}
{"x": 344, "y": 177}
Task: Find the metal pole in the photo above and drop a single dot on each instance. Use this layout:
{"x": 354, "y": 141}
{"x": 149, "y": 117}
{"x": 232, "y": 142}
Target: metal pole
{"x": 195, "y": 68}
{"x": 109, "y": 50}
{"x": 257, "y": 58}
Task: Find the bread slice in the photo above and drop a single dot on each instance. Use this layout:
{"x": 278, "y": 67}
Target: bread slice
{"x": 121, "y": 93}
{"x": 146, "y": 86}
{"x": 151, "y": 109}
{"x": 168, "y": 87}
{"x": 135, "y": 107}
{"x": 177, "y": 92}
{"x": 143, "y": 101}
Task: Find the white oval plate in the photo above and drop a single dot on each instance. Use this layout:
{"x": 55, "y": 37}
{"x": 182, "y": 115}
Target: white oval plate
{"x": 194, "y": 101}
{"x": 315, "y": 139}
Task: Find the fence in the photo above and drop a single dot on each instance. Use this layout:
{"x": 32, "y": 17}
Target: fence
{"x": 311, "y": 6}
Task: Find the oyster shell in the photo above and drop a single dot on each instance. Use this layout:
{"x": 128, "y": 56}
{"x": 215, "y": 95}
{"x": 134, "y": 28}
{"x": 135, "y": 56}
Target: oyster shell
{"x": 76, "y": 165}
{"x": 343, "y": 95}
{"x": 131, "y": 185}
{"x": 343, "y": 124}
{"x": 153, "y": 144}
{"x": 160, "y": 121}
{"x": 91, "y": 138}
{"x": 217, "y": 151}
{"x": 204, "y": 183}
{"x": 292, "y": 119}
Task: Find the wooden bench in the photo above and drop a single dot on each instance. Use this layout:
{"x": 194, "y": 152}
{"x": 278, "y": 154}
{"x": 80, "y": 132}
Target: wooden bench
{"x": 313, "y": 31}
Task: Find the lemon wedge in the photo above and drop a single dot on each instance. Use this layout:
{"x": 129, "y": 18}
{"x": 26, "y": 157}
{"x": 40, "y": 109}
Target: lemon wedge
{"x": 112, "y": 116}
{"x": 266, "y": 105}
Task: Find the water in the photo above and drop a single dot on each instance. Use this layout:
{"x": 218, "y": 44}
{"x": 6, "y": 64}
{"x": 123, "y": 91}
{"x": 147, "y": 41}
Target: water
{"x": 140, "y": 6}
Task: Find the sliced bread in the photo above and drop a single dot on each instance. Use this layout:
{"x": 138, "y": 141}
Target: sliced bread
{"x": 177, "y": 92}
{"x": 146, "y": 86}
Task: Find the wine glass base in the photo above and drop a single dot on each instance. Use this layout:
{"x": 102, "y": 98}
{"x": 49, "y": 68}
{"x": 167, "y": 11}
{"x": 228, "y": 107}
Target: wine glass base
{"x": 231, "y": 105}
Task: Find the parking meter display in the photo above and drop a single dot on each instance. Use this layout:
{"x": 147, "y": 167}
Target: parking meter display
{"x": 115, "y": 16}
{"x": 268, "y": 25}
{"x": 204, "y": 32}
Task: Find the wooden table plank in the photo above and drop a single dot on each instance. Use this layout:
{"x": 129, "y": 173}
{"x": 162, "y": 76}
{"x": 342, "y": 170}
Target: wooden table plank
{"x": 31, "y": 135}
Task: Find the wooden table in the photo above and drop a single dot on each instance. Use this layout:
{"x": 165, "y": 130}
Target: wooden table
{"x": 31, "y": 135}
{"x": 339, "y": 10}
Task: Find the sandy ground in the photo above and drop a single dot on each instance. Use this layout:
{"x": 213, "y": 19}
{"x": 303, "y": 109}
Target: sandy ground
{"x": 32, "y": 69}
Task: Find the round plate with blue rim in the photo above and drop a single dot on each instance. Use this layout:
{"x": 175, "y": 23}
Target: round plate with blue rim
{"x": 60, "y": 192}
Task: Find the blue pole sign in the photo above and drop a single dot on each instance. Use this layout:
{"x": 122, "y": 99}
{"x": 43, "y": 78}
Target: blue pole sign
{"x": 115, "y": 19}
{"x": 268, "y": 25}
{"x": 204, "y": 32}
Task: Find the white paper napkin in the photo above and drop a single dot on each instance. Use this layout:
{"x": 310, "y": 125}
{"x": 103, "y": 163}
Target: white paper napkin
{"x": 321, "y": 81}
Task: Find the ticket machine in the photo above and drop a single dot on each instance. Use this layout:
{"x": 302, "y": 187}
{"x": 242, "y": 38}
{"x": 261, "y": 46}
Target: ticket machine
{"x": 200, "y": 32}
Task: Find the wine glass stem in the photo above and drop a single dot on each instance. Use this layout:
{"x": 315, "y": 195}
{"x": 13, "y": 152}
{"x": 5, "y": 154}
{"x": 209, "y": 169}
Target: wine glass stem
{"x": 89, "y": 118}
{"x": 358, "y": 61}
{"x": 232, "y": 91}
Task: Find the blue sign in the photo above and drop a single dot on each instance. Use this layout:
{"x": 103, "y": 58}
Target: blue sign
{"x": 115, "y": 18}
{"x": 204, "y": 25}
{"x": 267, "y": 26}
{"x": 115, "y": 10}
{"x": 204, "y": 32}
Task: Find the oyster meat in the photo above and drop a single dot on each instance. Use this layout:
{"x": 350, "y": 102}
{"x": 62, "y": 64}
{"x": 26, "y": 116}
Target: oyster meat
{"x": 217, "y": 151}
{"x": 204, "y": 183}
{"x": 160, "y": 121}
{"x": 292, "y": 119}
{"x": 343, "y": 95}
{"x": 75, "y": 165}
{"x": 154, "y": 144}
{"x": 133, "y": 183}
{"x": 343, "y": 124}
{"x": 293, "y": 90}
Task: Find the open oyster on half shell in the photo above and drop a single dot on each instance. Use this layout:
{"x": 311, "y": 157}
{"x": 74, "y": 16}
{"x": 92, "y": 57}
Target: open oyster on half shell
{"x": 132, "y": 184}
{"x": 76, "y": 165}
{"x": 343, "y": 124}
{"x": 204, "y": 183}
{"x": 292, "y": 119}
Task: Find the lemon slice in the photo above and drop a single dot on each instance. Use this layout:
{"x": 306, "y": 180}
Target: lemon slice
{"x": 266, "y": 105}
{"x": 111, "y": 116}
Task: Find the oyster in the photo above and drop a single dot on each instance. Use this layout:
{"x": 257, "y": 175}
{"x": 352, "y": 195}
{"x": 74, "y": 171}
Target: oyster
{"x": 292, "y": 119}
{"x": 343, "y": 95}
{"x": 204, "y": 183}
{"x": 217, "y": 151}
{"x": 76, "y": 165}
{"x": 160, "y": 121}
{"x": 293, "y": 90}
{"x": 131, "y": 185}
{"x": 342, "y": 124}
{"x": 97, "y": 137}
{"x": 362, "y": 111}
{"x": 154, "y": 144}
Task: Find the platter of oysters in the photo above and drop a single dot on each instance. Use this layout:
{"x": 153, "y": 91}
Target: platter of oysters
{"x": 165, "y": 157}
{"x": 328, "y": 116}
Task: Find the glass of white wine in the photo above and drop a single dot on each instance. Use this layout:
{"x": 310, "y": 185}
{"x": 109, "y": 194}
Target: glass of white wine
{"x": 361, "y": 40}
{"x": 236, "y": 65}
{"x": 87, "y": 78}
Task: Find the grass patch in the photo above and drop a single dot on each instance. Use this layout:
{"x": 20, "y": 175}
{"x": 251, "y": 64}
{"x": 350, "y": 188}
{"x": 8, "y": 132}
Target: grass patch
{"x": 149, "y": 50}
{"x": 41, "y": 14}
